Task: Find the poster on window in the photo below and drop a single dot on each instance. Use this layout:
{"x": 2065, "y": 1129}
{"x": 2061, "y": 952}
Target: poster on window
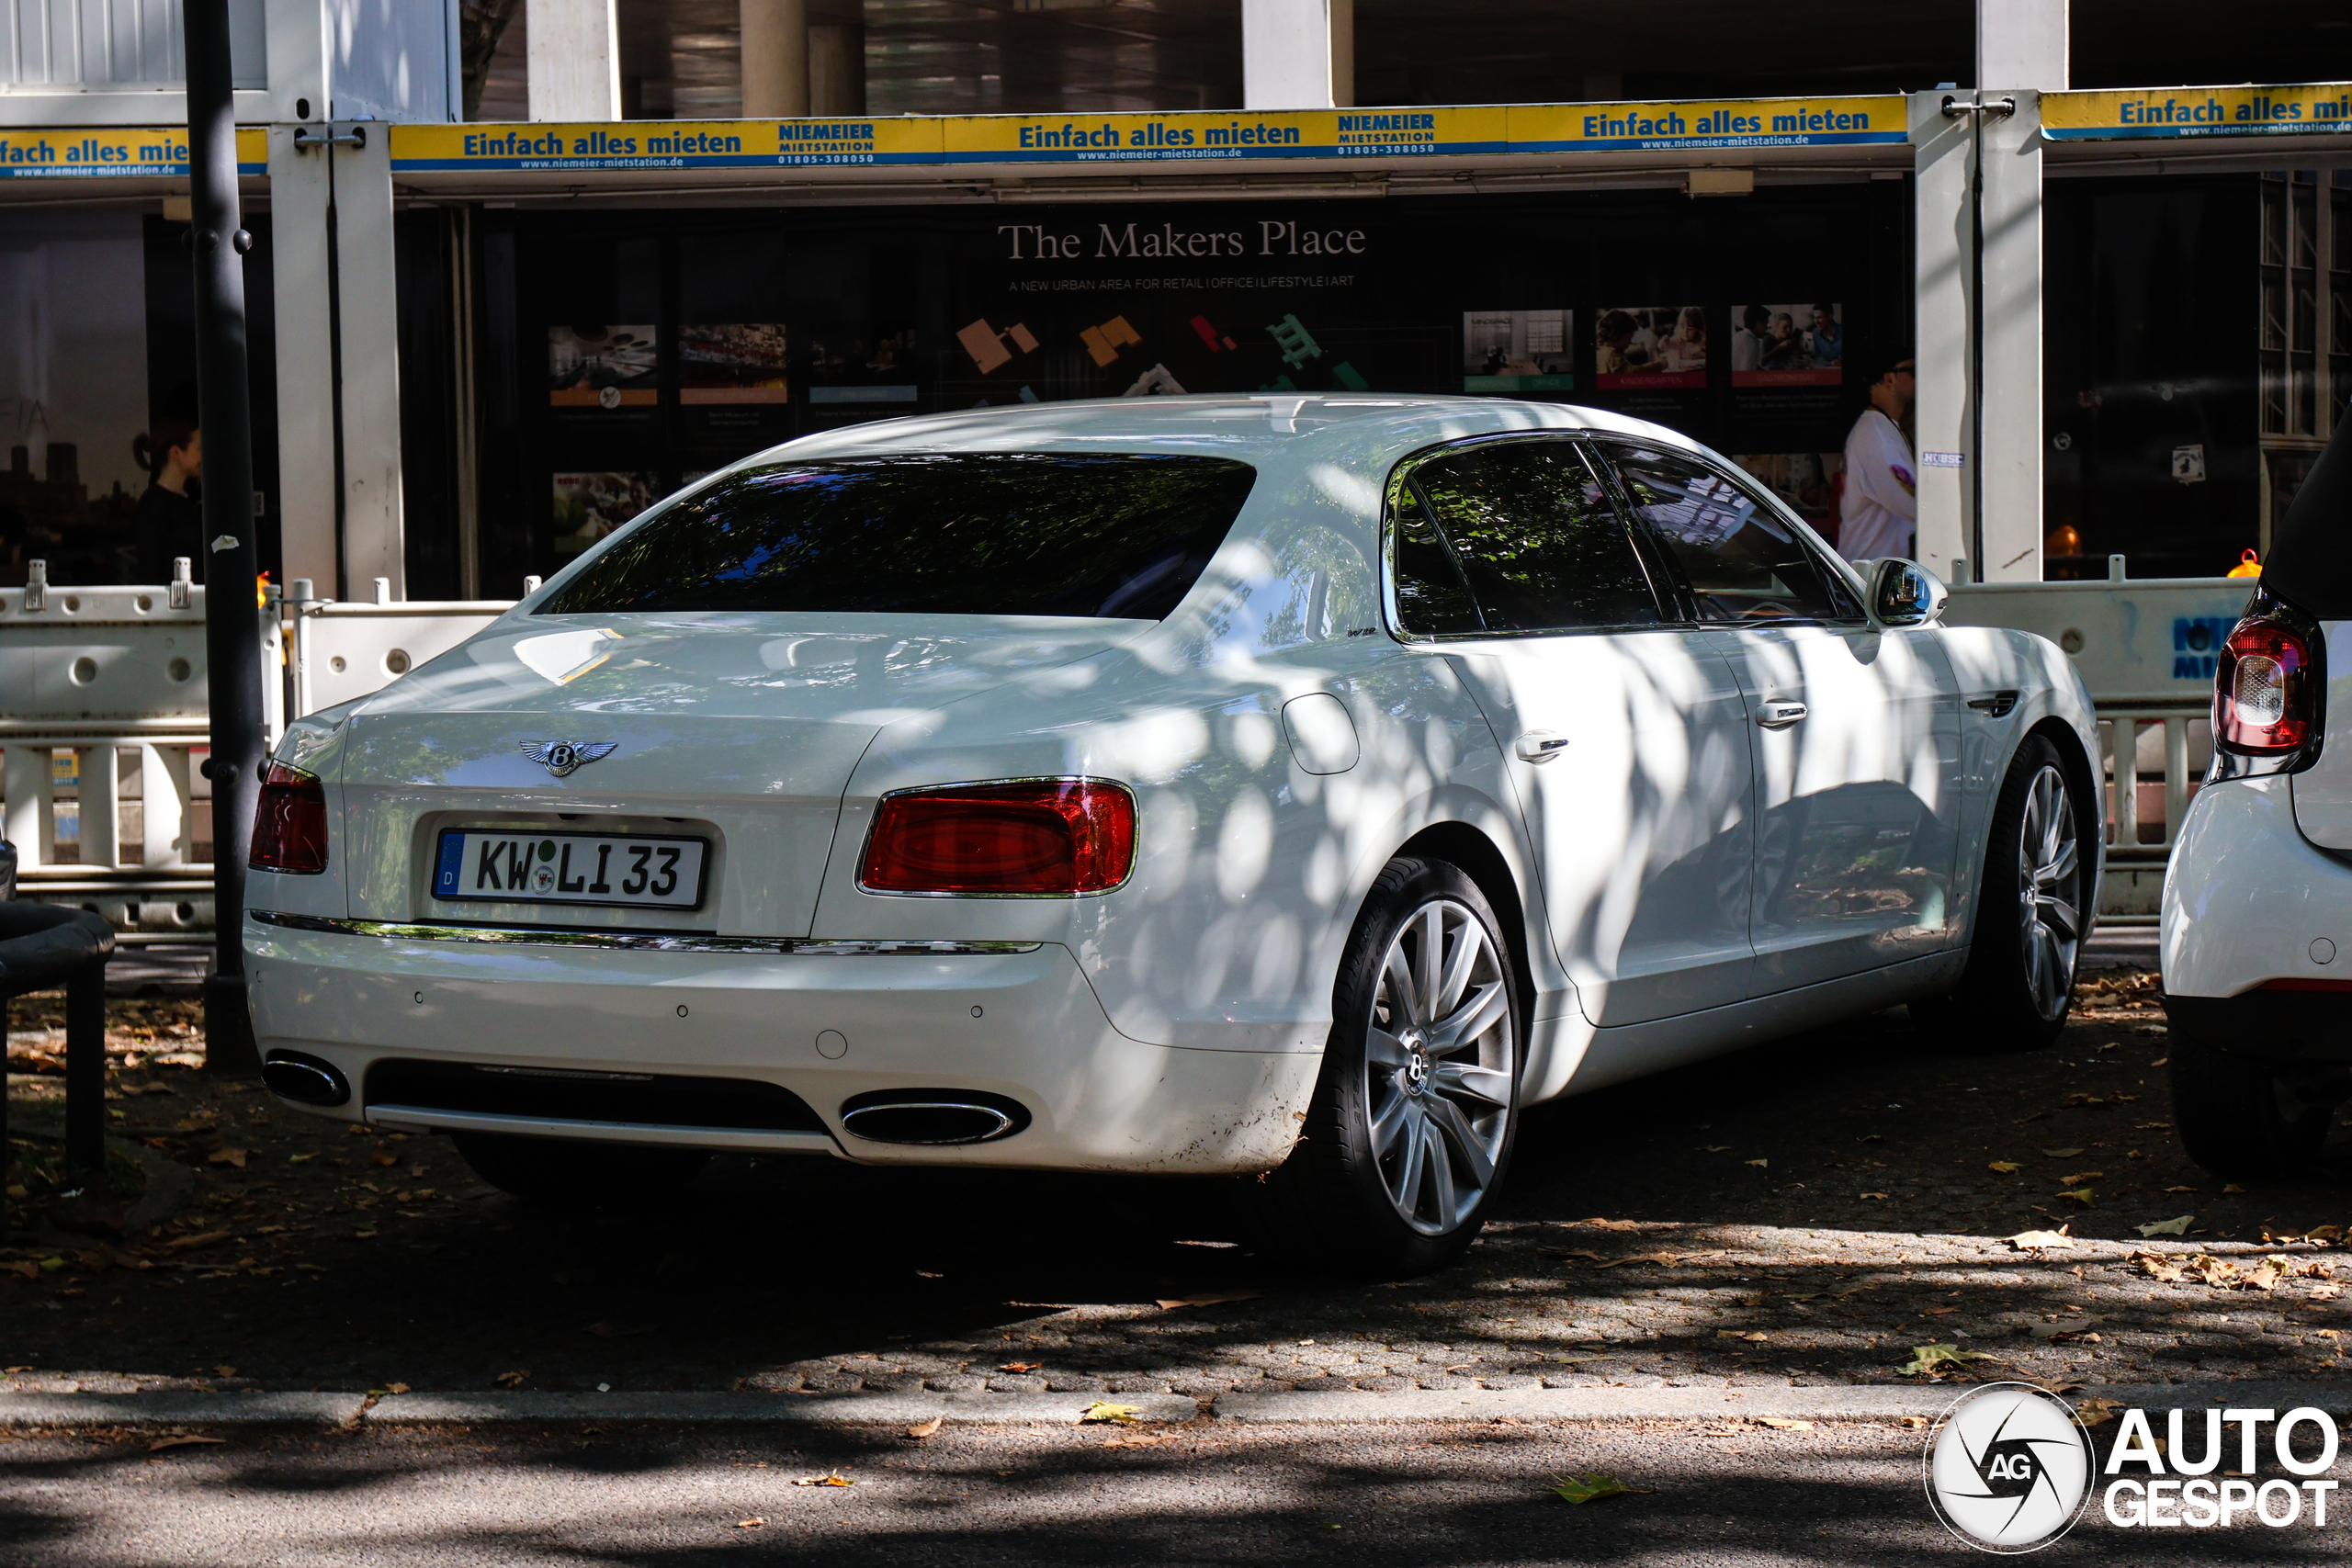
{"x": 1517, "y": 352}
{"x": 1788, "y": 345}
{"x": 734, "y": 384}
{"x": 1640, "y": 347}
{"x": 603, "y": 368}
{"x": 590, "y": 505}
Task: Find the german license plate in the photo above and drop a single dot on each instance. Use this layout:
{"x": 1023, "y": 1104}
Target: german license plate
{"x": 638, "y": 869}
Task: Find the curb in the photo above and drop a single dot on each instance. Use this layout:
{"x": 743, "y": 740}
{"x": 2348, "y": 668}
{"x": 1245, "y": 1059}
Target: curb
{"x": 28, "y": 1411}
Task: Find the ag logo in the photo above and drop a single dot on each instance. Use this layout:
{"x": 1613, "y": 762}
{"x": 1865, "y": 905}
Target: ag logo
{"x": 2009, "y": 1468}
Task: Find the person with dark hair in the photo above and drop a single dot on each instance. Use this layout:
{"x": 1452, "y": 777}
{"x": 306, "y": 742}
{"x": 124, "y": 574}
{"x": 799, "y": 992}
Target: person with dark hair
{"x": 1879, "y": 515}
{"x": 169, "y": 521}
{"x": 1747, "y": 344}
{"x": 1825, "y": 341}
{"x": 1614, "y": 334}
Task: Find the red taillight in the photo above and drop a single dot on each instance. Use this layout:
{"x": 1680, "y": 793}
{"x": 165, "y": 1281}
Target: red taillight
{"x": 2261, "y": 693}
{"x": 1051, "y": 836}
{"x": 289, "y": 822}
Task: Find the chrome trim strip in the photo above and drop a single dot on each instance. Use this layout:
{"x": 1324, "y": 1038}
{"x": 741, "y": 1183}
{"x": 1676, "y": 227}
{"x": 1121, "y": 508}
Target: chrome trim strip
{"x": 638, "y": 941}
{"x": 602, "y": 1132}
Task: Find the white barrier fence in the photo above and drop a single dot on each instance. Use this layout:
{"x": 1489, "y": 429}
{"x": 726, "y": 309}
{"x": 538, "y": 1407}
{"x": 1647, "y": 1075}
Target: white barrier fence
{"x": 102, "y": 727}
{"x": 103, "y": 694}
{"x": 2146, "y": 647}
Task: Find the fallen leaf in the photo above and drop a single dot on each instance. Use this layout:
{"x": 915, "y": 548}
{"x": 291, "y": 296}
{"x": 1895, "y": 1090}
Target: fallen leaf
{"x": 2168, "y": 1227}
{"x": 926, "y": 1428}
{"x": 2082, "y": 1195}
{"x": 1020, "y": 1366}
{"x": 2097, "y": 1411}
{"x": 2233, "y": 1187}
{"x": 26, "y": 1270}
{"x": 1713, "y": 1149}
{"x": 198, "y": 1123}
{"x": 226, "y": 1155}
{"x": 2180, "y": 1189}
{"x": 2025, "y": 1239}
{"x": 1777, "y": 1425}
{"x": 396, "y": 1388}
{"x": 2061, "y": 1154}
{"x": 1915, "y": 1422}
{"x": 1669, "y": 1259}
{"x": 750, "y": 1524}
{"x": 513, "y": 1379}
{"x": 1614, "y": 1224}
{"x": 1104, "y": 1411}
{"x": 1759, "y": 1162}
{"x": 1134, "y": 1439}
{"x": 181, "y": 1442}
{"x": 1593, "y": 1488}
{"x": 2160, "y": 1061}
{"x": 224, "y": 1371}
{"x": 298, "y": 1159}
{"x": 1873, "y": 1194}
{"x": 1752, "y": 1339}
{"x": 2006, "y": 1167}
{"x": 2080, "y": 1177}
{"x": 1938, "y": 1312}
{"x": 1938, "y": 1359}
{"x": 835, "y": 1479}
{"x": 189, "y": 1242}
{"x": 379, "y": 1157}
{"x": 1213, "y": 1298}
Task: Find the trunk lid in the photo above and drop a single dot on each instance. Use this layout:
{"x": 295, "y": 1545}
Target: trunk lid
{"x": 741, "y": 729}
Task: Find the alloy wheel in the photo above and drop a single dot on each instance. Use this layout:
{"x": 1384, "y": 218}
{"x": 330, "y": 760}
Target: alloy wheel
{"x": 1438, "y": 1059}
{"x": 2050, "y": 924}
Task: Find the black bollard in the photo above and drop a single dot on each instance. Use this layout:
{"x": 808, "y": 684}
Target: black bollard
{"x": 86, "y": 1069}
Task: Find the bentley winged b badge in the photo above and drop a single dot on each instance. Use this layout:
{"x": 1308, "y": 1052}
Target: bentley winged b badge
{"x": 561, "y": 757}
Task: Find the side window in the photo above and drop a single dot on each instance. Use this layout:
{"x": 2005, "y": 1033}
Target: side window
{"x": 1536, "y": 538}
{"x": 1431, "y": 599}
{"x": 1742, "y": 560}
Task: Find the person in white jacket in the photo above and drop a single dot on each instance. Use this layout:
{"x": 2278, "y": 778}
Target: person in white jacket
{"x": 1879, "y": 514}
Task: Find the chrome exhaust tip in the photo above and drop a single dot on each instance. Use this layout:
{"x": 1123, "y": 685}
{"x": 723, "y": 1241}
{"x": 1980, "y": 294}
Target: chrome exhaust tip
{"x": 934, "y": 1116}
{"x": 306, "y": 1080}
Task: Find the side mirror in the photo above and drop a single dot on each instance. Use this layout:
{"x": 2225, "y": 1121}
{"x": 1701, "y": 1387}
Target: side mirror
{"x": 1905, "y": 593}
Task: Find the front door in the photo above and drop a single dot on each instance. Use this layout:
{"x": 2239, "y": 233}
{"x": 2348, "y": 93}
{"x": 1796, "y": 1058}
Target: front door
{"x": 1625, "y": 735}
{"x": 1855, "y": 728}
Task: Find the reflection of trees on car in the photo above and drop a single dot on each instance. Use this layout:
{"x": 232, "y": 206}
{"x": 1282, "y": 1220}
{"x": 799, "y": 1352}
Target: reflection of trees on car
{"x": 1031, "y": 533}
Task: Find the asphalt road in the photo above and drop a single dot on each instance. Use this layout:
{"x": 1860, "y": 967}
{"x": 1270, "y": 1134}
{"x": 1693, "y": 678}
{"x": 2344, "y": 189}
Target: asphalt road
{"x": 1719, "y": 1493}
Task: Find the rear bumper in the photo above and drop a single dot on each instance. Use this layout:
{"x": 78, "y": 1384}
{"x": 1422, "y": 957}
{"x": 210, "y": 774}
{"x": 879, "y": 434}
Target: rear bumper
{"x": 2252, "y": 912}
{"x": 1021, "y": 1024}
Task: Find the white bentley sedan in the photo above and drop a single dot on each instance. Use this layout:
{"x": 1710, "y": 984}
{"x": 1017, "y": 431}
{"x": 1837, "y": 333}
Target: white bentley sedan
{"x": 1196, "y": 785}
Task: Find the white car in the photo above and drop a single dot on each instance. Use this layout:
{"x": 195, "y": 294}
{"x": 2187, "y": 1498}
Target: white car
{"x": 2258, "y": 904}
{"x": 1189, "y": 784}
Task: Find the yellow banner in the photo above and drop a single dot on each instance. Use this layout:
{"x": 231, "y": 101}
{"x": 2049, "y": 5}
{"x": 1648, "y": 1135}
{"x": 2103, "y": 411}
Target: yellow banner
{"x": 2323, "y": 108}
{"x": 1715, "y": 124}
{"x": 116, "y": 153}
{"x": 1222, "y": 136}
{"x": 665, "y": 144}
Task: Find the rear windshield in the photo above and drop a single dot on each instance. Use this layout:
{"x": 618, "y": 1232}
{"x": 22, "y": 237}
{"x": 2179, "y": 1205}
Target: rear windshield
{"x": 955, "y": 534}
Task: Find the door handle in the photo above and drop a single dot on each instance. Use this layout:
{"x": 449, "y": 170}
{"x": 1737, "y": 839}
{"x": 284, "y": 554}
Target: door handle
{"x": 1780, "y": 715}
{"x": 1539, "y": 745}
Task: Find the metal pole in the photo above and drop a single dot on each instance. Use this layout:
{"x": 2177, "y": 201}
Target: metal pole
{"x": 85, "y": 1068}
{"x": 231, "y": 623}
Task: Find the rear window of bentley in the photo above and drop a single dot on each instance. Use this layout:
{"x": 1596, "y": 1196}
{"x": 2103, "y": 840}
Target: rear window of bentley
{"x": 996, "y": 533}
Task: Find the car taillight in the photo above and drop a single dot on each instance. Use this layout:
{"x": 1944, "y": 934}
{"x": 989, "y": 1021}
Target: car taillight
{"x": 289, "y": 822}
{"x": 1049, "y": 836}
{"x": 2264, "y": 697}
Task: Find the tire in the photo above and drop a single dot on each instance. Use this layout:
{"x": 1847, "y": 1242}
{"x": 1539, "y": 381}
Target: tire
{"x": 2030, "y": 914}
{"x": 1410, "y": 1130}
{"x": 567, "y": 1173}
{"x": 2241, "y": 1117}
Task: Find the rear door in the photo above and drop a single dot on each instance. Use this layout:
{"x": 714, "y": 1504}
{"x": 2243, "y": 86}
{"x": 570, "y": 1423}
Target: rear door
{"x": 1855, "y": 728}
{"x": 1624, "y": 736}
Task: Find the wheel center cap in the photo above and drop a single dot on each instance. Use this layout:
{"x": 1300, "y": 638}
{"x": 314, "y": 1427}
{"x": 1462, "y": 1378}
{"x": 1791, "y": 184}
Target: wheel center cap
{"x": 1416, "y": 1062}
